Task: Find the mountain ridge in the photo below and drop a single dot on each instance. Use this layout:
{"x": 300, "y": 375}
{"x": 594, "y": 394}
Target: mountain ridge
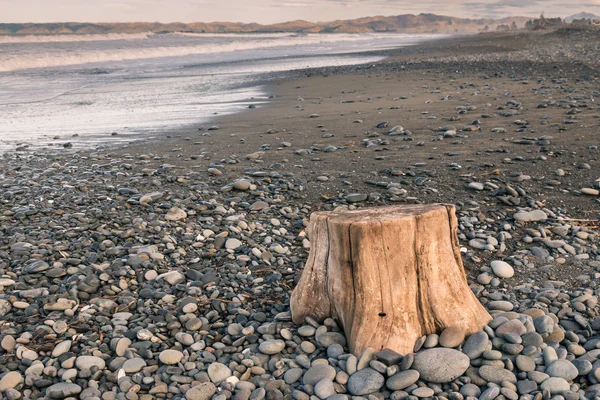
{"x": 405, "y": 23}
{"x": 582, "y": 15}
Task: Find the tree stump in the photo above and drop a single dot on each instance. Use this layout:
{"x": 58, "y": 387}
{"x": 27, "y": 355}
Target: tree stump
{"x": 388, "y": 275}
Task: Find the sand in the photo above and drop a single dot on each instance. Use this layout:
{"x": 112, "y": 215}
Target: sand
{"x": 409, "y": 89}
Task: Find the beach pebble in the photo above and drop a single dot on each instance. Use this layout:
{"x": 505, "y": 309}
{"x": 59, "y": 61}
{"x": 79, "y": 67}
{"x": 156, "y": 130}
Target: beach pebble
{"x": 502, "y": 269}
{"x": 440, "y": 365}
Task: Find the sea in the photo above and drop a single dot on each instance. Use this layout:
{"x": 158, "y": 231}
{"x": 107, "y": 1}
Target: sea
{"x": 91, "y": 90}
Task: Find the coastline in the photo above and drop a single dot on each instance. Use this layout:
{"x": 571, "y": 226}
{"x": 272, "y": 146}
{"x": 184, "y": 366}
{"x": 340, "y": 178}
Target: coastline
{"x": 372, "y": 93}
{"x": 164, "y": 269}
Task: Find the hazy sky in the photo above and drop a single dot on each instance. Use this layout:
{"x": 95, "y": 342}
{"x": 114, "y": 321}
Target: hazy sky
{"x": 269, "y": 11}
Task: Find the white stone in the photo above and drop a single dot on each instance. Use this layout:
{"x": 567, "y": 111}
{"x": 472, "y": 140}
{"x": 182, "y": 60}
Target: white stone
{"x": 87, "y": 362}
{"x": 502, "y": 269}
{"x": 170, "y": 356}
{"x": 232, "y": 244}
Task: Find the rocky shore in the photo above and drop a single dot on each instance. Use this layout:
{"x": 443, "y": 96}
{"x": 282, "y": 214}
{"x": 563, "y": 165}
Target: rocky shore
{"x": 163, "y": 270}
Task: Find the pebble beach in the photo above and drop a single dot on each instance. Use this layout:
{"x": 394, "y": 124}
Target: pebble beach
{"x": 162, "y": 269}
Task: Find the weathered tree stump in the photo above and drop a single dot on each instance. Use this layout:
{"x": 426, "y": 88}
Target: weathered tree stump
{"x": 389, "y": 275}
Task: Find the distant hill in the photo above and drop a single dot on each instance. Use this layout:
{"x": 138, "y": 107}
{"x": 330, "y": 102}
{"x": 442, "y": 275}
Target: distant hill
{"x": 582, "y": 15}
{"x": 408, "y": 23}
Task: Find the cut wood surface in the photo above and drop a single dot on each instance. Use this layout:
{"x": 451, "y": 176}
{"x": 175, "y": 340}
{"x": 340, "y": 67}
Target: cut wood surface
{"x": 388, "y": 275}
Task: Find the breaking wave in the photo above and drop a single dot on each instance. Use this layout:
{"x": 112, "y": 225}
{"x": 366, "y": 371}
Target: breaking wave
{"x": 72, "y": 38}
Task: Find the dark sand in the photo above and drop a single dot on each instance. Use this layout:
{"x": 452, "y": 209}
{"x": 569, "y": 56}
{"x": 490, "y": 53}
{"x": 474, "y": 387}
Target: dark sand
{"x": 415, "y": 83}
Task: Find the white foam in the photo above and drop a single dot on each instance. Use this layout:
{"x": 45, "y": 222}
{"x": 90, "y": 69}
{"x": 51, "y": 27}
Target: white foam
{"x": 71, "y": 38}
{"x": 57, "y": 57}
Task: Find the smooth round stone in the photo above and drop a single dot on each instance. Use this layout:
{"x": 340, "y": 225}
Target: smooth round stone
{"x": 526, "y": 386}
{"x": 292, "y": 375}
{"x": 61, "y": 348}
{"x": 555, "y": 385}
{"x": 62, "y": 390}
{"x": 203, "y": 391}
{"x": 29, "y": 354}
{"x": 562, "y": 369}
{"x": 190, "y": 308}
{"x": 175, "y": 214}
{"x": 8, "y": 343}
{"x": 365, "y": 381}
{"x": 318, "y": 372}
{"x": 532, "y": 339}
{"x": 402, "y": 379}
{"x": 10, "y": 381}
{"x": 500, "y": 305}
{"x": 259, "y": 205}
{"x": 513, "y": 326}
{"x": 286, "y": 334}
{"x": 423, "y": 392}
{"x": 324, "y": 388}
{"x": 193, "y": 324}
{"x": 475, "y": 186}
{"x": 502, "y": 269}
{"x": 356, "y": 197}
{"x": 452, "y": 337}
{"x": 170, "y": 357}
{"x": 470, "y": 390}
{"x": 218, "y": 372}
{"x": 306, "y": 330}
{"x": 479, "y": 244}
{"x": 530, "y": 216}
{"x": 122, "y": 345}
{"x": 525, "y": 363}
{"x": 133, "y": 365}
{"x": 232, "y": 244}
{"x": 543, "y": 324}
{"x": 440, "y": 365}
{"x": 242, "y": 185}
{"x": 490, "y": 393}
{"x": 36, "y": 266}
{"x": 496, "y": 375}
{"x": 328, "y": 338}
{"x": 307, "y": 347}
{"x": 335, "y": 350}
{"x": 271, "y": 346}
{"x": 492, "y": 355}
{"x": 431, "y": 341}
{"x": 87, "y": 362}
{"x": 150, "y": 275}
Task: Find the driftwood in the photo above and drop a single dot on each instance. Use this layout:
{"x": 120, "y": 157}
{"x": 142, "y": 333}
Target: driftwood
{"x": 388, "y": 275}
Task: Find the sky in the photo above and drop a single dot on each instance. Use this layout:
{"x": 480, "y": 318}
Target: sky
{"x": 272, "y": 11}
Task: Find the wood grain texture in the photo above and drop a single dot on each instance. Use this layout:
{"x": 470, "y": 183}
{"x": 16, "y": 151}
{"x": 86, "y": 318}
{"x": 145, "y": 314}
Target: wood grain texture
{"x": 389, "y": 275}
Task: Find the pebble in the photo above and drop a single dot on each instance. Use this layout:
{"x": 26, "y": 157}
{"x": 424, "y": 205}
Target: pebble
{"x": 502, "y": 269}
{"x": 87, "y": 362}
{"x": 452, "y": 337}
{"x": 402, "y": 380}
{"x": 10, "y": 381}
{"x": 555, "y": 385}
{"x": 203, "y": 391}
{"x": 318, "y": 372}
{"x": 440, "y": 365}
{"x": 218, "y": 372}
{"x": 271, "y": 346}
{"x": 170, "y": 357}
{"x": 365, "y": 381}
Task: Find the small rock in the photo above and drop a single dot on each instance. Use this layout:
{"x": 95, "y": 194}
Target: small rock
{"x": 502, "y": 269}
{"x": 365, "y": 381}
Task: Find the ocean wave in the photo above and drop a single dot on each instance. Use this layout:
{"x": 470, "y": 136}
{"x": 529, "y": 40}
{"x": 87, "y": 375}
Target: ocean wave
{"x": 72, "y": 38}
{"x": 80, "y": 55}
